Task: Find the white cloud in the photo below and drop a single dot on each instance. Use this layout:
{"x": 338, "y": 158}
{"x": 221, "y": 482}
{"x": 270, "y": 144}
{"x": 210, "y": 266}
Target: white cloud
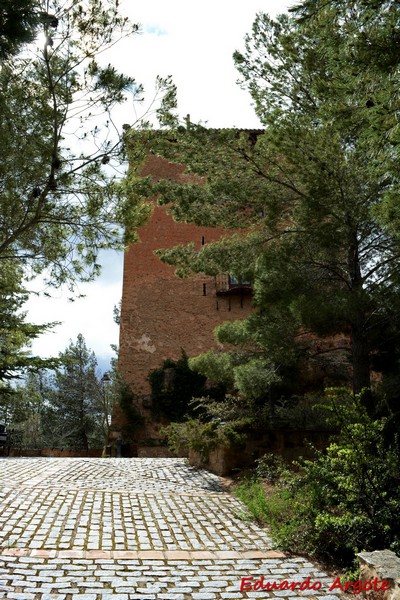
{"x": 91, "y": 315}
{"x": 196, "y": 49}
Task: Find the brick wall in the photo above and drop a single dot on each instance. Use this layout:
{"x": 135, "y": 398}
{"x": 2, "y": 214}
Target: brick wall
{"x": 160, "y": 313}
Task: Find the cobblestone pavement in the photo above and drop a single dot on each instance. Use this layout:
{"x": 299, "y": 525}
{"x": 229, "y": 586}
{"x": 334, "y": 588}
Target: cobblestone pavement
{"x": 125, "y": 529}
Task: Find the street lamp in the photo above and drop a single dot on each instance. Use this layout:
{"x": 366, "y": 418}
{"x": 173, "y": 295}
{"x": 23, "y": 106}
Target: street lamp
{"x": 106, "y": 410}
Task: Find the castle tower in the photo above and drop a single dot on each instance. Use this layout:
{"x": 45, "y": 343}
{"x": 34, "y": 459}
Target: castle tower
{"x": 161, "y": 314}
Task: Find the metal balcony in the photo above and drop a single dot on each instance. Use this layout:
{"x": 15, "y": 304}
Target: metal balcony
{"x": 227, "y": 285}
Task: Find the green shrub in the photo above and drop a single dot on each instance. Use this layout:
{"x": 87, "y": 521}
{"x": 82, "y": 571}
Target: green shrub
{"x": 274, "y": 509}
{"x": 201, "y": 437}
{"x": 345, "y": 501}
{"x": 173, "y": 386}
{"x": 270, "y": 467}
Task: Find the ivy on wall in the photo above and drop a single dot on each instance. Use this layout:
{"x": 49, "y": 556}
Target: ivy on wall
{"x": 174, "y": 384}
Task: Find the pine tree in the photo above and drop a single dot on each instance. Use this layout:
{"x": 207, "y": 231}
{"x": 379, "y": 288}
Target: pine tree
{"x": 19, "y": 21}
{"x": 77, "y": 397}
{"x": 61, "y": 198}
{"x": 308, "y": 197}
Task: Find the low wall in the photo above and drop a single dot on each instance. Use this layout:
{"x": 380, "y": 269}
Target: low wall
{"x": 380, "y": 575}
{"x": 289, "y": 444}
{"x": 154, "y": 452}
{"x": 53, "y": 452}
{"x": 127, "y": 451}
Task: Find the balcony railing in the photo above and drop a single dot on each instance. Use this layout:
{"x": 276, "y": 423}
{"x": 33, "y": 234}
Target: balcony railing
{"x": 227, "y": 285}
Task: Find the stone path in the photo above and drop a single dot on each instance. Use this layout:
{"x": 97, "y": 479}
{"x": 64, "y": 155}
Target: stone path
{"x": 135, "y": 529}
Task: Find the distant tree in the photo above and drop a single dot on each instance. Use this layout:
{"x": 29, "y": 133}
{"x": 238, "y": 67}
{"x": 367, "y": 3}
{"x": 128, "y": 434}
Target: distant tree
{"x": 77, "y": 399}
{"x": 25, "y": 409}
{"x": 69, "y": 406}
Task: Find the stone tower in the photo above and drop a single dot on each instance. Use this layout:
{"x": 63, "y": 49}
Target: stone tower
{"x": 162, "y": 314}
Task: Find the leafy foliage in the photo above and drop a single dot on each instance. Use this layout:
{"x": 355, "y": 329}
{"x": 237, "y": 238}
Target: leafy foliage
{"x": 61, "y": 196}
{"x": 313, "y": 202}
{"x": 202, "y": 437}
{"x": 346, "y": 500}
{"x": 173, "y": 387}
{"x": 309, "y": 196}
{"x": 19, "y": 20}
{"x": 251, "y": 377}
{"x": 60, "y": 186}
{"x": 133, "y": 419}
{"x": 270, "y": 467}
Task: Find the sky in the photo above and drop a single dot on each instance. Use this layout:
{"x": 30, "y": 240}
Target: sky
{"x": 193, "y": 42}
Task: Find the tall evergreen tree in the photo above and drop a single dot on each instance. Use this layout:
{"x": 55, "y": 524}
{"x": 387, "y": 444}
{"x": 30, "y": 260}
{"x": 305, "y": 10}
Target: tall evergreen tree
{"x": 16, "y": 334}
{"x": 307, "y": 195}
{"x": 77, "y": 399}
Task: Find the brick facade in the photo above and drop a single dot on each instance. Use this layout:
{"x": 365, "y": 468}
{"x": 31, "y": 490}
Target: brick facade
{"x": 160, "y": 313}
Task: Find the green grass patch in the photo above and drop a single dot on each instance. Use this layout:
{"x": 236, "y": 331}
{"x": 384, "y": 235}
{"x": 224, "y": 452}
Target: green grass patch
{"x": 273, "y": 507}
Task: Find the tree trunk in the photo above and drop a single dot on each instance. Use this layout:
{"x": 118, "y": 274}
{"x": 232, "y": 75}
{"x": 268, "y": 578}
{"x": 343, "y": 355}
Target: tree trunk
{"x": 82, "y": 427}
{"x": 360, "y": 349}
{"x": 360, "y": 360}
{"x": 85, "y": 441}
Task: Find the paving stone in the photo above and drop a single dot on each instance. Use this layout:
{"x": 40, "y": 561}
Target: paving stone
{"x": 20, "y": 596}
{"x": 115, "y": 596}
{"x": 85, "y": 597}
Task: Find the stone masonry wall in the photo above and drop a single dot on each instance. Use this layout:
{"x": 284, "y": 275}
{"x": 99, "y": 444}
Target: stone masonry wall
{"x": 52, "y": 452}
{"x": 290, "y": 444}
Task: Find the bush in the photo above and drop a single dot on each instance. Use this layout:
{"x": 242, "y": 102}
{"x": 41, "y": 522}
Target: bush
{"x": 174, "y": 385}
{"x": 270, "y": 467}
{"x": 345, "y": 501}
{"x": 273, "y": 509}
{"x": 350, "y": 496}
{"x": 201, "y": 437}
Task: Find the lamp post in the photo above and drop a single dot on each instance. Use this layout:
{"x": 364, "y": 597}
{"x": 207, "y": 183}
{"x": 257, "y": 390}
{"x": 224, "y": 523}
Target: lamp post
{"x": 106, "y": 379}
